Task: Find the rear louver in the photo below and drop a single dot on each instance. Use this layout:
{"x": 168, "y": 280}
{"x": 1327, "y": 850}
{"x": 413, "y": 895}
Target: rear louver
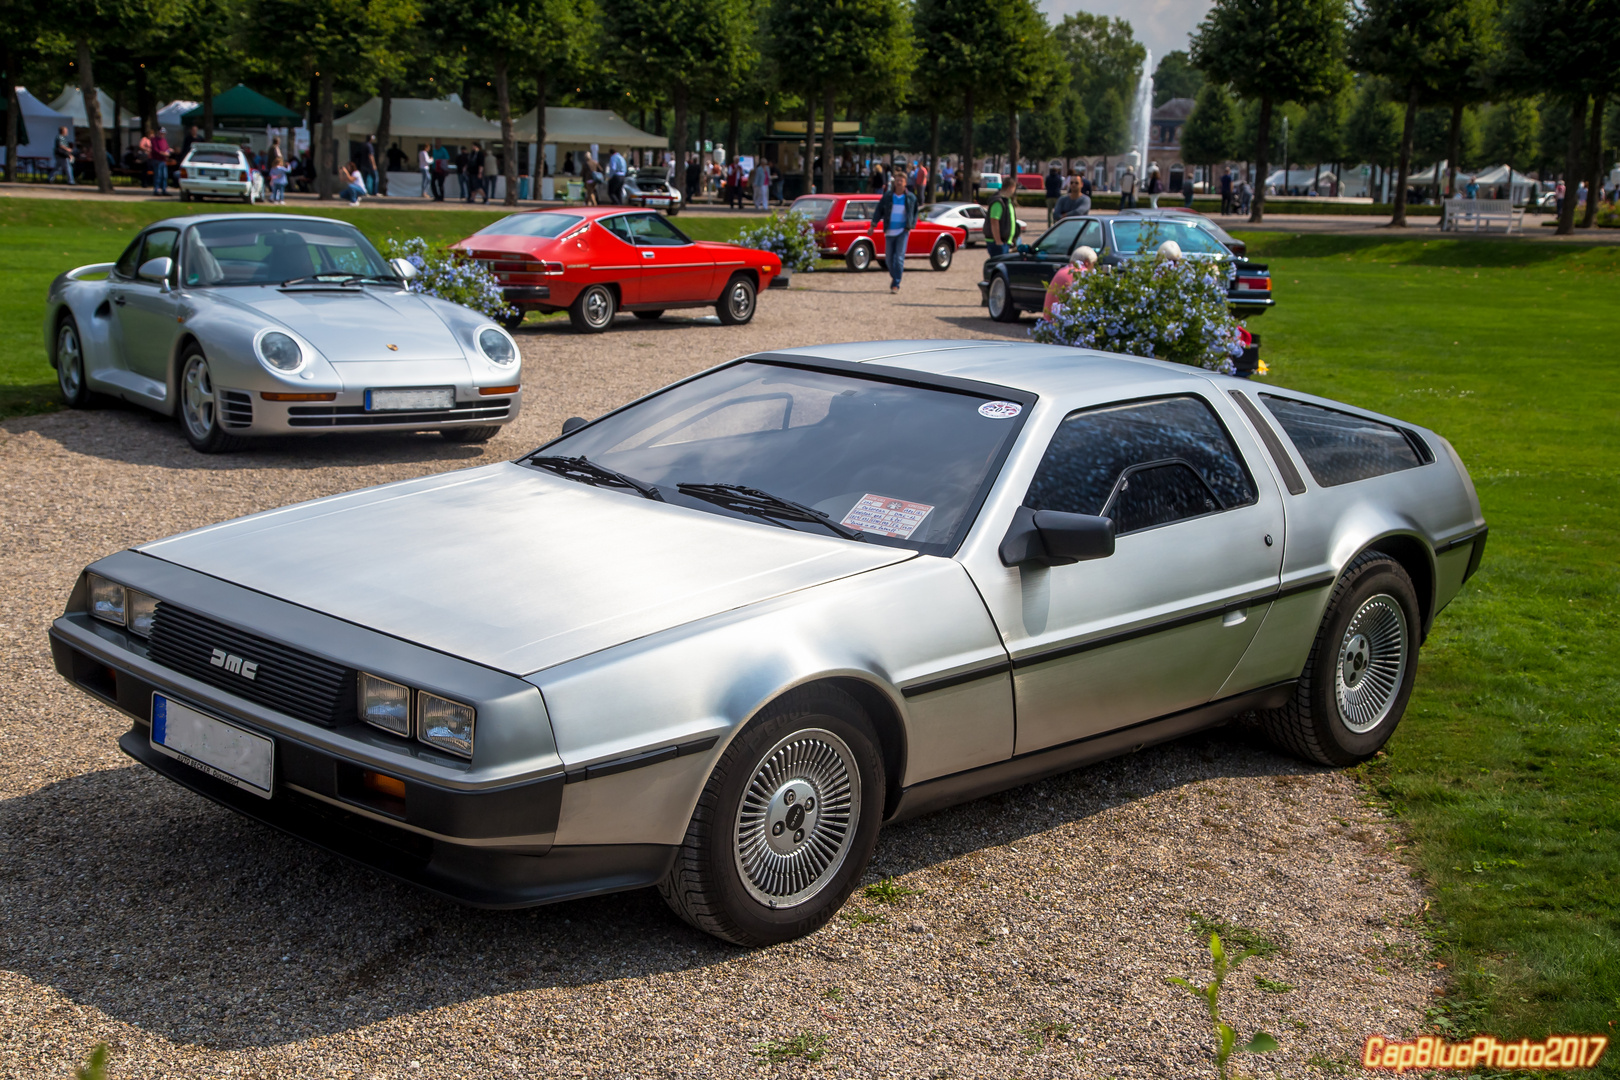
{"x": 235, "y": 409}
{"x": 273, "y": 675}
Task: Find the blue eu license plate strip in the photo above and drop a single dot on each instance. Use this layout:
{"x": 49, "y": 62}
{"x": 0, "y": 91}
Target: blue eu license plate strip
{"x": 224, "y": 751}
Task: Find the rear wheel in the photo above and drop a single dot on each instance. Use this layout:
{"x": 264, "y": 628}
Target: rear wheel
{"x": 70, "y": 377}
{"x": 650, "y": 316}
{"x": 512, "y": 322}
{"x": 199, "y": 407}
{"x": 785, "y": 825}
{"x": 944, "y": 251}
{"x": 1359, "y": 677}
{"x": 470, "y": 434}
{"x": 860, "y": 256}
{"x": 593, "y": 309}
{"x": 736, "y": 305}
{"x": 999, "y": 300}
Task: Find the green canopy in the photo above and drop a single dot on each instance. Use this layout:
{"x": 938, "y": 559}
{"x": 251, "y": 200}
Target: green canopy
{"x": 240, "y": 107}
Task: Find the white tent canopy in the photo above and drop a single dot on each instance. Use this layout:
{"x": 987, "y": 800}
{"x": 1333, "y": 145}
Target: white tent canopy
{"x": 417, "y": 118}
{"x": 37, "y": 127}
{"x": 71, "y": 102}
{"x": 582, "y": 127}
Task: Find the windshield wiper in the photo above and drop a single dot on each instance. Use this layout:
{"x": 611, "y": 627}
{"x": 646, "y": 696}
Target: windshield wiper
{"x": 334, "y": 277}
{"x": 589, "y": 472}
{"x": 749, "y": 500}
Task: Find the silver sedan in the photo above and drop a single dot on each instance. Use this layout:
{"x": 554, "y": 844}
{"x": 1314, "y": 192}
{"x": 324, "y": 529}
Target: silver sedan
{"x": 246, "y": 324}
{"x": 712, "y": 640}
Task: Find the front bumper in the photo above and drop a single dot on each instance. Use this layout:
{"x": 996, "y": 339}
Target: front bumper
{"x": 248, "y": 412}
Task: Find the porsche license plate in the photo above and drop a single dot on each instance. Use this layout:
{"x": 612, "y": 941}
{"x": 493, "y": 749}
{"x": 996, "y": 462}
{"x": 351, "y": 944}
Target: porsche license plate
{"x": 224, "y": 751}
{"x": 440, "y": 397}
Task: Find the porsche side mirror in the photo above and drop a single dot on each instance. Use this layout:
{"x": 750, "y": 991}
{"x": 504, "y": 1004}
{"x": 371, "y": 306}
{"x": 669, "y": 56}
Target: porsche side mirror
{"x": 403, "y": 268}
{"x": 573, "y": 424}
{"x": 1053, "y": 538}
{"x": 156, "y": 270}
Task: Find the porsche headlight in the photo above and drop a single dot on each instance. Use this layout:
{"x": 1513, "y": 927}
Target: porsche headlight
{"x": 279, "y": 351}
{"x": 445, "y": 724}
{"x": 107, "y": 600}
{"x": 385, "y": 704}
{"x": 497, "y": 346}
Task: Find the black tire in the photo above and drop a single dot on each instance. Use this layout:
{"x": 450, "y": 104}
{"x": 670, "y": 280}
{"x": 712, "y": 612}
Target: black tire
{"x": 70, "y": 373}
{"x": 944, "y": 251}
{"x": 860, "y": 256}
{"x": 649, "y": 316}
{"x": 593, "y": 309}
{"x": 813, "y": 741}
{"x": 199, "y": 407}
{"x": 470, "y": 434}
{"x": 998, "y": 298}
{"x": 1356, "y": 684}
{"x": 738, "y": 302}
{"x": 512, "y": 322}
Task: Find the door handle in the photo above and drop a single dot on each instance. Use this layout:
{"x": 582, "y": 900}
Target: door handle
{"x": 119, "y": 299}
{"x": 646, "y": 254}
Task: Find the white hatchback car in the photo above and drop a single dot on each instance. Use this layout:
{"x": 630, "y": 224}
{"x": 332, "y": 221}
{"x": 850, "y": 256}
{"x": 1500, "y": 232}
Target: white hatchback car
{"x": 219, "y": 170}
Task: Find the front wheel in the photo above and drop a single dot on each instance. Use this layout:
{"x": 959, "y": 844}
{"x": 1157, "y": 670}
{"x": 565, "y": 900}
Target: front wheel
{"x": 199, "y": 407}
{"x": 785, "y": 825}
{"x": 736, "y": 305}
{"x": 70, "y": 378}
{"x": 593, "y": 309}
{"x": 940, "y": 257}
{"x": 1359, "y": 677}
{"x": 470, "y": 434}
{"x": 512, "y": 322}
{"x": 999, "y": 301}
{"x": 860, "y": 256}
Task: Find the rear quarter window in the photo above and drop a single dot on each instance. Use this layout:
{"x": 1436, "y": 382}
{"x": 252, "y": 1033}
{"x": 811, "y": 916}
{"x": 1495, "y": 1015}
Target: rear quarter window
{"x": 1341, "y": 448}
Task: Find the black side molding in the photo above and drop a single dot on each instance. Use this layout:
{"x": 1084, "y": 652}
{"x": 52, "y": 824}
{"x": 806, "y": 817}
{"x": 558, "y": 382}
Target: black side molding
{"x": 641, "y": 760}
{"x": 931, "y": 795}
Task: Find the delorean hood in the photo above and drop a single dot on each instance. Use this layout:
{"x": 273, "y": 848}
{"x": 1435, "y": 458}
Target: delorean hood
{"x": 511, "y": 567}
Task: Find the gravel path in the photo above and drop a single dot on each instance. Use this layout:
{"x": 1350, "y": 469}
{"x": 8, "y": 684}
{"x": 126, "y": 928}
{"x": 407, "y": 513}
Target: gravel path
{"x": 1037, "y": 942}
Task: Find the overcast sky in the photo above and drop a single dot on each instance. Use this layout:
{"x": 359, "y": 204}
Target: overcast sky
{"x": 1161, "y": 25}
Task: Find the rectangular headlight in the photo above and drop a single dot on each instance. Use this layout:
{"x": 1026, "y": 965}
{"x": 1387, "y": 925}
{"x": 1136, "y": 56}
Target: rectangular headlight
{"x": 141, "y": 610}
{"x": 445, "y": 724}
{"x": 385, "y": 704}
{"x": 107, "y": 600}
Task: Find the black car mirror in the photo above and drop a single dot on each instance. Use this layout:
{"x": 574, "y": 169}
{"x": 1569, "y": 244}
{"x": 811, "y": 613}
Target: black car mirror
{"x": 1053, "y": 538}
{"x": 573, "y": 424}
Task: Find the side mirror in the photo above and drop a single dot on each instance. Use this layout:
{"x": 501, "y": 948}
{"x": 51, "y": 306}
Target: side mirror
{"x": 156, "y": 270}
{"x": 1053, "y": 538}
{"x": 573, "y": 424}
{"x": 1024, "y": 249}
{"x": 403, "y": 268}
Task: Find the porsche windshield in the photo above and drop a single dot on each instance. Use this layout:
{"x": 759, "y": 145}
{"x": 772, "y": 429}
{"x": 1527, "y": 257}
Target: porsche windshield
{"x": 257, "y": 251}
{"x": 902, "y": 464}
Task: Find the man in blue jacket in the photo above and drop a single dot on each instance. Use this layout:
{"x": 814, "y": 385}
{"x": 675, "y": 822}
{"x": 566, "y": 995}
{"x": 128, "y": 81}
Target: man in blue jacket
{"x": 897, "y": 214}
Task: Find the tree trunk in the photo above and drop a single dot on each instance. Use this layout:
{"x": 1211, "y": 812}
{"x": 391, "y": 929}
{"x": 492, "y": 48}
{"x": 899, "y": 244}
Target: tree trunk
{"x": 537, "y": 169}
{"x": 967, "y": 169}
{"x": 145, "y": 101}
{"x": 385, "y": 132}
{"x": 1594, "y": 159}
{"x": 325, "y": 167}
{"x": 208, "y": 102}
{"x": 678, "y": 137}
{"x": 733, "y": 133}
{"x": 809, "y": 139}
{"x": 1262, "y": 150}
{"x": 828, "y": 150}
{"x": 92, "y": 117}
{"x": 933, "y": 153}
{"x": 1397, "y": 218}
{"x": 1453, "y": 146}
{"x": 1572, "y": 164}
{"x": 503, "y": 105}
{"x": 1013, "y": 149}
{"x": 12, "y": 108}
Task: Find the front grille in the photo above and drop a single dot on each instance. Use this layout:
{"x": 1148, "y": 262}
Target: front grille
{"x": 356, "y": 415}
{"x": 236, "y": 408}
{"x": 287, "y": 680}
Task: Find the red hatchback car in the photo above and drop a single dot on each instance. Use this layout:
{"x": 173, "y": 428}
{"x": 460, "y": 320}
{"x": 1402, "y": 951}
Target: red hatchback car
{"x": 843, "y": 220}
{"x": 596, "y": 261}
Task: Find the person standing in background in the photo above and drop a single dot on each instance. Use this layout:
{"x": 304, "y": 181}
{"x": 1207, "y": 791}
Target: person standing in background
{"x": 278, "y": 178}
{"x": 424, "y": 165}
{"x": 1002, "y": 219}
{"x": 760, "y": 181}
{"x": 63, "y": 150}
{"x": 694, "y": 177}
{"x": 1054, "y": 191}
{"x": 897, "y": 213}
{"x": 368, "y": 164}
{"x": 461, "y": 171}
{"x": 159, "y": 150}
{"x": 1127, "y": 189}
{"x": 1073, "y": 202}
{"x": 1226, "y": 192}
{"x": 616, "y": 170}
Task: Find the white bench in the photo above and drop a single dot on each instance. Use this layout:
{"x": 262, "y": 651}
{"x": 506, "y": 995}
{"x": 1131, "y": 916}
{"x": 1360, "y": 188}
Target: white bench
{"x": 1478, "y": 214}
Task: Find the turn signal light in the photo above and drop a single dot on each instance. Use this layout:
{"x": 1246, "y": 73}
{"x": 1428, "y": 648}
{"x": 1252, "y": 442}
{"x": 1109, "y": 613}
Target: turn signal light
{"x": 269, "y": 396}
{"x": 391, "y": 786}
{"x": 488, "y": 390}
{"x": 1263, "y": 283}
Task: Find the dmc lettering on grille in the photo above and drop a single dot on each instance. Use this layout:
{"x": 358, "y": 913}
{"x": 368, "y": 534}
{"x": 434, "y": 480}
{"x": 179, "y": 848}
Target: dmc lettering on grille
{"x": 248, "y": 669}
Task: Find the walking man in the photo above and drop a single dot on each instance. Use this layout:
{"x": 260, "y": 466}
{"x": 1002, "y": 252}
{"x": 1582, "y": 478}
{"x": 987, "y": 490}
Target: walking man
{"x": 760, "y": 180}
{"x": 616, "y": 170}
{"x": 368, "y": 164}
{"x": 897, "y": 210}
{"x": 1226, "y": 192}
{"x": 1054, "y": 191}
{"x": 64, "y": 154}
{"x": 1002, "y": 221}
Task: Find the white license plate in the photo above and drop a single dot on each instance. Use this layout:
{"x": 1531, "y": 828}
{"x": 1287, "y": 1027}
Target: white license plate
{"x": 399, "y": 400}
{"x": 223, "y": 751}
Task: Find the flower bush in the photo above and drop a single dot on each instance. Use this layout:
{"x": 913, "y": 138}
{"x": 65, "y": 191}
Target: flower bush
{"x": 1150, "y": 306}
{"x": 451, "y": 276}
{"x": 790, "y": 235}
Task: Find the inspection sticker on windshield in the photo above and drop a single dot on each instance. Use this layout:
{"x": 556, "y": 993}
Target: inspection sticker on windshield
{"x": 879, "y": 516}
{"x": 1000, "y": 410}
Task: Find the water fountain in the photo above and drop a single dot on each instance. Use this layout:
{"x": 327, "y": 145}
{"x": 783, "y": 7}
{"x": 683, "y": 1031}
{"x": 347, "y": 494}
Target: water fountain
{"x": 1142, "y": 118}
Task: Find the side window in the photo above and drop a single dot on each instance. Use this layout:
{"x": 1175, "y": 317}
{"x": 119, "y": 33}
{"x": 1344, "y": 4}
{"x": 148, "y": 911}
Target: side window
{"x": 859, "y": 211}
{"x": 1145, "y": 463}
{"x": 160, "y": 244}
{"x": 1340, "y": 448}
{"x": 1092, "y": 235}
{"x": 1058, "y": 239}
{"x": 618, "y": 226}
{"x": 651, "y": 230}
{"x": 130, "y": 260}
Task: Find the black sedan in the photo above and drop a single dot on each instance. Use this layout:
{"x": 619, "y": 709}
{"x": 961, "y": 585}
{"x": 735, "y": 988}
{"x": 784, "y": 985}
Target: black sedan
{"x": 1016, "y": 281}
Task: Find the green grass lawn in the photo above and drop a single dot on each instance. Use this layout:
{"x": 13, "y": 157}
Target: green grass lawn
{"x": 1506, "y": 773}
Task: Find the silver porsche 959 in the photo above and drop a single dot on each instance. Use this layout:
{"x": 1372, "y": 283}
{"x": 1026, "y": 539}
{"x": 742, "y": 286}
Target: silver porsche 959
{"x": 739, "y": 623}
{"x": 246, "y": 324}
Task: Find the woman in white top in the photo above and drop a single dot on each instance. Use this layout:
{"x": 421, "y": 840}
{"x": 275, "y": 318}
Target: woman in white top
{"x": 424, "y": 165}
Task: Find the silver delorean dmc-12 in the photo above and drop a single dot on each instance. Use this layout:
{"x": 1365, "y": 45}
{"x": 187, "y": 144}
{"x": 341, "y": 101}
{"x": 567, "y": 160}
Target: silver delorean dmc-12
{"x": 712, "y": 640}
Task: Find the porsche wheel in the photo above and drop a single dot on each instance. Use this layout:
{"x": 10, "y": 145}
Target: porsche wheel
{"x": 199, "y": 407}
{"x": 736, "y": 305}
{"x": 860, "y": 256}
{"x": 999, "y": 300}
{"x": 944, "y": 251}
{"x": 480, "y": 434}
{"x": 785, "y": 825}
{"x": 650, "y": 316}
{"x": 70, "y": 378}
{"x": 593, "y": 309}
{"x": 1359, "y": 677}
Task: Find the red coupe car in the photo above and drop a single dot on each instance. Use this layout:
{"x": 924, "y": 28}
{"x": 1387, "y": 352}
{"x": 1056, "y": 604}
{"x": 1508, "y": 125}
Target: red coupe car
{"x": 596, "y": 261}
{"x": 843, "y": 222}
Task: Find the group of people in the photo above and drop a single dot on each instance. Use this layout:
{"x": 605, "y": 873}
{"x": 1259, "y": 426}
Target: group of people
{"x": 475, "y": 169}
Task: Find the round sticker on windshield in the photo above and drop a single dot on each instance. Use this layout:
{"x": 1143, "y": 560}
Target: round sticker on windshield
{"x": 1000, "y": 410}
